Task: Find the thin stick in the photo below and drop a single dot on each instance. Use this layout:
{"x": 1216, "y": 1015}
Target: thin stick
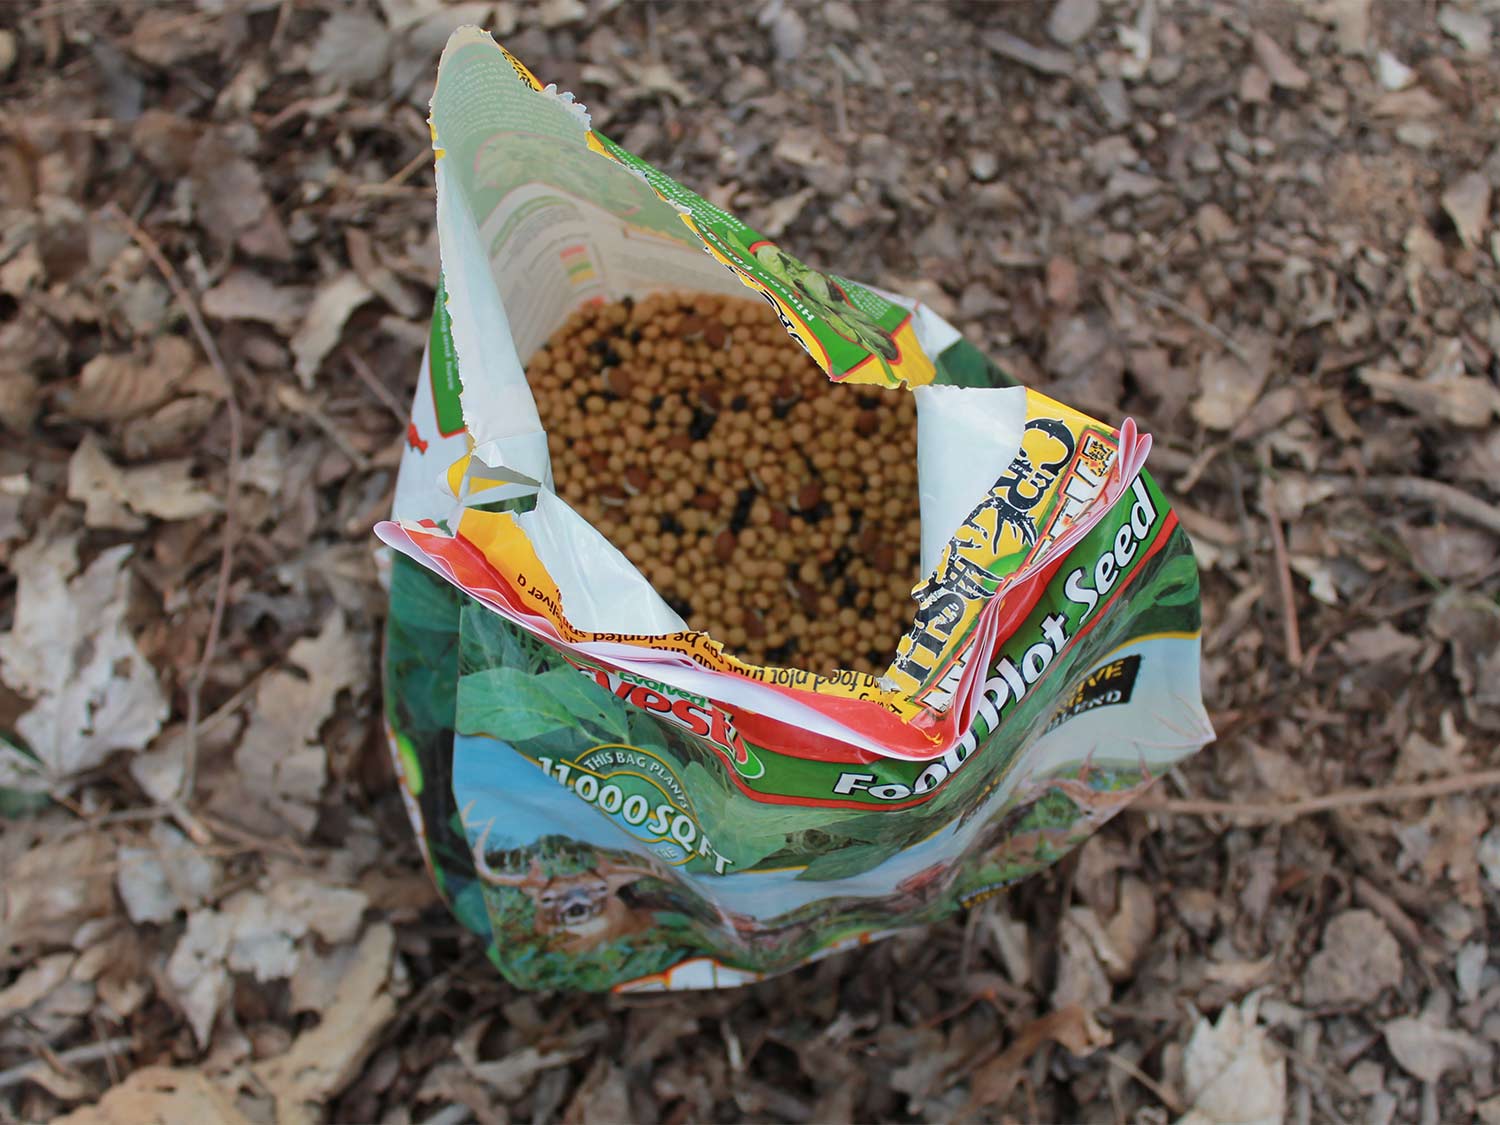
{"x": 1284, "y": 584}
{"x": 1435, "y": 492}
{"x": 377, "y": 388}
{"x": 89, "y": 1052}
{"x": 1344, "y": 799}
{"x": 1168, "y": 1096}
{"x": 184, "y": 298}
{"x": 1173, "y": 305}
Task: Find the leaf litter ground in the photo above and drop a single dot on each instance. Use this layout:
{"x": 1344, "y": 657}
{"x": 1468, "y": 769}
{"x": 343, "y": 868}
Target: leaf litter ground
{"x": 1274, "y": 244}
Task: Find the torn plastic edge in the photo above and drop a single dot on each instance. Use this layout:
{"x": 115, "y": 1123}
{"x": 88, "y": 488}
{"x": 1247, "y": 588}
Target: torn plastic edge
{"x": 928, "y": 736}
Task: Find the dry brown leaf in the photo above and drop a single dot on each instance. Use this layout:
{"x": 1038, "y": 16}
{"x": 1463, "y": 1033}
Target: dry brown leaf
{"x": 350, "y": 48}
{"x": 282, "y": 764}
{"x": 1358, "y": 959}
{"x": 164, "y": 875}
{"x": 243, "y": 294}
{"x": 68, "y": 651}
{"x": 512, "y": 1075}
{"x": 196, "y": 970}
{"x": 1428, "y": 1050}
{"x": 1467, "y": 201}
{"x": 1232, "y": 1072}
{"x": 1074, "y": 1029}
{"x": 34, "y": 983}
{"x": 1460, "y": 400}
{"x": 115, "y": 497}
{"x": 1227, "y": 388}
{"x": 327, "y": 1058}
{"x": 159, "y": 1095}
{"x": 53, "y": 888}
{"x": 116, "y": 385}
{"x": 232, "y": 201}
{"x": 1278, "y": 64}
{"x": 336, "y": 299}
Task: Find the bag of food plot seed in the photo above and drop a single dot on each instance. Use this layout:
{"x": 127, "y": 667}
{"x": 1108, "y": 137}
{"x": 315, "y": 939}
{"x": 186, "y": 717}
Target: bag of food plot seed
{"x": 706, "y": 658}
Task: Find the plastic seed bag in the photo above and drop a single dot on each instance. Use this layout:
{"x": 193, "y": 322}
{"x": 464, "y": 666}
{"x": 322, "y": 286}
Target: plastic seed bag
{"x": 616, "y": 801}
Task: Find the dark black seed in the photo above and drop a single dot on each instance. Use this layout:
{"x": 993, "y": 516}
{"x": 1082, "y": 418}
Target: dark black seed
{"x": 869, "y": 401}
{"x": 875, "y": 657}
{"x": 703, "y": 422}
{"x": 682, "y": 608}
{"x": 669, "y": 523}
{"x": 599, "y": 346}
{"x": 739, "y": 402}
{"x": 781, "y": 653}
{"x": 819, "y": 512}
{"x": 741, "y": 515}
{"x": 611, "y": 357}
{"x": 780, "y": 410}
{"x": 847, "y": 595}
{"x": 856, "y": 519}
{"x": 656, "y": 401}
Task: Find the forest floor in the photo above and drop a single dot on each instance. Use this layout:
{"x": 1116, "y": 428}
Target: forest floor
{"x": 1264, "y": 231}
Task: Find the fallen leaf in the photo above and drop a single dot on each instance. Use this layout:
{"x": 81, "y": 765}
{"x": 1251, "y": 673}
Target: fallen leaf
{"x": 1071, "y": 20}
{"x": 1427, "y": 1050}
{"x": 1278, "y": 65}
{"x": 159, "y": 1094}
{"x": 1460, "y": 400}
{"x": 787, "y": 30}
{"x": 1232, "y": 1073}
{"x": 1046, "y": 60}
{"x": 282, "y": 764}
{"x": 196, "y": 970}
{"x": 116, "y": 385}
{"x": 559, "y": 13}
{"x": 1074, "y": 1029}
{"x": 335, "y": 301}
{"x": 1357, "y": 961}
{"x": 165, "y": 876}
{"x": 1081, "y": 979}
{"x": 34, "y": 983}
{"x": 511, "y": 1076}
{"x": 350, "y": 48}
{"x": 1227, "y": 388}
{"x": 1467, "y": 201}
{"x": 68, "y": 651}
{"x": 232, "y": 201}
{"x": 53, "y": 888}
{"x": 783, "y": 211}
{"x": 117, "y": 498}
{"x": 245, "y": 295}
{"x": 1393, "y": 73}
{"x": 326, "y": 1058}
{"x": 331, "y": 912}
{"x": 1471, "y": 29}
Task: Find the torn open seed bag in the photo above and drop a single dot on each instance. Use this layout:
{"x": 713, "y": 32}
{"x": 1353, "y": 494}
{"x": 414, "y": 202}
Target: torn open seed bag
{"x": 702, "y": 661}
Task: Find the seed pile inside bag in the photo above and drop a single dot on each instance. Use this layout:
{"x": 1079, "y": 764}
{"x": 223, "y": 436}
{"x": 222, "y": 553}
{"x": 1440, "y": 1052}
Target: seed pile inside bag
{"x": 773, "y": 509}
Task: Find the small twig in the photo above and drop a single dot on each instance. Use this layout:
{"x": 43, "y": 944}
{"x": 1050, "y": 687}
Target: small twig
{"x": 377, "y": 388}
{"x": 1344, "y": 799}
{"x": 1435, "y": 492}
{"x": 304, "y": 404}
{"x": 89, "y": 1052}
{"x": 184, "y": 298}
{"x": 1173, "y": 305}
{"x": 1169, "y": 1097}
{"x": 1284, "y": 584}
{"x": 424, "y": 156}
